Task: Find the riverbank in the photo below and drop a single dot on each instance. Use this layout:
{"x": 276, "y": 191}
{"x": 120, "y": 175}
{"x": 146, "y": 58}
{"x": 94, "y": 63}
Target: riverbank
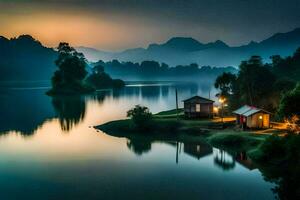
{"x": 171, "y": 125}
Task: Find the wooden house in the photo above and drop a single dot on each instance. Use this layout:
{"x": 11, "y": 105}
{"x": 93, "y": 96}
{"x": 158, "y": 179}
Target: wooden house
{"x": 198, "y": 107}
{"x": 252, "y": 117}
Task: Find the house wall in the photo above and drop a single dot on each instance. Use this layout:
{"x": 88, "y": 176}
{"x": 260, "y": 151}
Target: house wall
{"x": 253, "y": 121}
{"x": 206, "y": 109}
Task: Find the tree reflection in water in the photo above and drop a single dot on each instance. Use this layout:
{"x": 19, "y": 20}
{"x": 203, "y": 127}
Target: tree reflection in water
{"x": 224, "y": 161}
{"x": 70, "y": 110}
{"x": 139, "y": 147}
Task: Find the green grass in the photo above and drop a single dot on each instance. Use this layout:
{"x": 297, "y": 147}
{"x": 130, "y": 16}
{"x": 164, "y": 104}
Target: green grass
{"x": 170, "y": 112}
{"x": 164, "y": 126}
{"x": 236, "y": 140}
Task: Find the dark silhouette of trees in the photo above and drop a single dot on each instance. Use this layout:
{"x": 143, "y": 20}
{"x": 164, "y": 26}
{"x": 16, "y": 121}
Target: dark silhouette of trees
{"x": 255, "y": 82}
{"x": 99, "y": 79}
{"x": 287, "y": 67}
{"x": 289, "y": 108}
{"x": 68, "y": 79}
{"x": 225, "y": 83}
{"x": 141, "y": 117}
{"x": 152, "y": 70}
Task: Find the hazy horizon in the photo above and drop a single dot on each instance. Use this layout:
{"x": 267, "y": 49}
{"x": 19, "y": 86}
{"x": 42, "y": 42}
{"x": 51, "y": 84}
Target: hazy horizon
{"x": 118, "y": 25}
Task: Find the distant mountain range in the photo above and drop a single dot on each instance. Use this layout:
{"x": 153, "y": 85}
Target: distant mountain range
{"x": 24, "y": 58}
{"x": 183, "y": 51}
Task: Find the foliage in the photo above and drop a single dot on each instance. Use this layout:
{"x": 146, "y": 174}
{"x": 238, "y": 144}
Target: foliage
{"x": 99, "y": 79}
{"x": 289, "y": 108}
{"x": 287, "y": 67}
{"x": 255, "y": 83}
{"x": 152, "y": 70}
{"x": 71, "y": 71}
{"x": 225, "y": 83}
{"x": 279, "y": 161}
{"x": 262, "y": 85}
{"x": 236, "y": 141}
{"x": 141, "y": 117}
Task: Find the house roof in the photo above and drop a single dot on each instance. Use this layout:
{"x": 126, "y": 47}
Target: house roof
{"x": 205, "y": 100}
{"x": 248, "y": 111}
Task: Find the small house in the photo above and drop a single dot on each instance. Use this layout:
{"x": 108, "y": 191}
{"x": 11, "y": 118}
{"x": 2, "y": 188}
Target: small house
{"x": 198, "y": 107}
{"x": 252, "y": 117}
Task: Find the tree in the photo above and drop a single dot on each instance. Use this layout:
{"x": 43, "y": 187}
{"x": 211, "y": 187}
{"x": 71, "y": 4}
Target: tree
{"x": 99, "y": 79}
{"x": 289, "y": 108}
{"x": 71, "y": 71}
{"x": 255, "y": 83}
{"x": 225, "y": 83}
{"x": 141, "y": 117}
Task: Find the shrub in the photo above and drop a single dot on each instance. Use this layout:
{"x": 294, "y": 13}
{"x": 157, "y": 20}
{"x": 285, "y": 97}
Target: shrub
{"x": 141, "y": 117}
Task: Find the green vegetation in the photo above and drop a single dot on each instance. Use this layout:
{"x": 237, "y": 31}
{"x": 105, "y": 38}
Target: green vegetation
{"x": 289, "y": 108}
{"x": 236, "y": 141}
{"x": 170, "y": 113}
{"x": 260, "y": 84}
{"x": 279, "y": 160}
{"x": 141, "y": 118}
{"x": 69, "y": 78}
{"x": 100, "y": 80}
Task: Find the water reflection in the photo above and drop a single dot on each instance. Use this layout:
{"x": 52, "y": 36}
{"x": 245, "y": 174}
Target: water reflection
{"x": 52, "y": 164}
{"x": 69, "y": 111}
{"x": 198, "y": 150}
{"x": 224, "y": 161}
{"x": 25, "y": 110}
{"x": 139, "y": 147}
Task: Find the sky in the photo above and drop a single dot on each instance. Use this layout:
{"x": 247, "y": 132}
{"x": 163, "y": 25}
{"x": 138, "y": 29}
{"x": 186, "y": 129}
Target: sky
{"x": 121, "y": 24}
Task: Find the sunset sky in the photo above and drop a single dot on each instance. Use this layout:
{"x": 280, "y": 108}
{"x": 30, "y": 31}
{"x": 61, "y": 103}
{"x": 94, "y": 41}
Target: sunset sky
{"x": 120, "y": 24}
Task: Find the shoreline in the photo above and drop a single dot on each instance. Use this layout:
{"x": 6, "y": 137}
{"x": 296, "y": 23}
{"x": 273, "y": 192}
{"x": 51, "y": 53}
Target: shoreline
{"x": 170, "y": 127}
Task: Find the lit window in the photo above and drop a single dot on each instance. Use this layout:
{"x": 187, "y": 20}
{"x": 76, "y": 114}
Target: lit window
{"x": 197, "y": 107}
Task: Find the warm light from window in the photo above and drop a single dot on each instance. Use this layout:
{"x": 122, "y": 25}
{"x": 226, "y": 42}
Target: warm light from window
{"x": 260, "y": 117}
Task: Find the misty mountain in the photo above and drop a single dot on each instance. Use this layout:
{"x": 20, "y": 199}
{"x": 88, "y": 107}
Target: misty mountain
{"x": 183, "y": 51}
{"x": 25, "y": 58}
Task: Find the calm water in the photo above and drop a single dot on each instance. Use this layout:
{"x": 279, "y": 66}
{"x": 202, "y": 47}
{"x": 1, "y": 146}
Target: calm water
{"x": 49, "y": 150}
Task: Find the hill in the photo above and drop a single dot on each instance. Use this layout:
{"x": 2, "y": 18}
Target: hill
{"x": 25, "y": 58}
{"x": 184, "y": 51}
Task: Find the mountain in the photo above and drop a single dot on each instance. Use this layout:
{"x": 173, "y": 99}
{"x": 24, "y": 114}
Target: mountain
{"x": 25, "y": 58}
{"x": 183, "y": 51}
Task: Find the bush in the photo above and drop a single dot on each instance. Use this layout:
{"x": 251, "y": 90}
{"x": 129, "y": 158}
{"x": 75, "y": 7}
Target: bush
{"x": 141, "y": 117}
{"x": 289, "y": 108}
{"x": 118, "y": 83}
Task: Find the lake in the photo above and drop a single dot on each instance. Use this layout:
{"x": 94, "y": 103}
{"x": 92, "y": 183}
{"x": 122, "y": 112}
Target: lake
{"x": 50, "y": 150}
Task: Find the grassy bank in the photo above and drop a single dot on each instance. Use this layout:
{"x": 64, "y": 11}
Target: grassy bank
{"x": 168, "y": 125}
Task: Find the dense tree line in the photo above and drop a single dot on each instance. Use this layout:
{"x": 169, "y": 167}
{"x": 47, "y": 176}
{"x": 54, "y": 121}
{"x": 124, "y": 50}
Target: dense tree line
{"x": 265, "y": 85}
{"x": 152, "y": 70}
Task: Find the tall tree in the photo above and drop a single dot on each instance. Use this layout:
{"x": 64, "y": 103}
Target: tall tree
{"x": 71, "y": 70}
{"x": 255, "y": 82}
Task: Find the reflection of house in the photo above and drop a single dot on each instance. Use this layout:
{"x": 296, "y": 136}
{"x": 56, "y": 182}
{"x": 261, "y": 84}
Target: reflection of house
{"x": 197, "y": 150}
{"x": 252, "y": 117}
{"x": 198, "y": 107}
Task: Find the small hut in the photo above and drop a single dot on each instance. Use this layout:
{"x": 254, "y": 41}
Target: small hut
{"x": 198, "y": 107}
{"x": 252, "y": 117}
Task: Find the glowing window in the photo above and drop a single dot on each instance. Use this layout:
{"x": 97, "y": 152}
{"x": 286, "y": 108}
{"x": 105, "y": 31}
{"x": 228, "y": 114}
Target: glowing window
{"x": 197, "y": 107}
